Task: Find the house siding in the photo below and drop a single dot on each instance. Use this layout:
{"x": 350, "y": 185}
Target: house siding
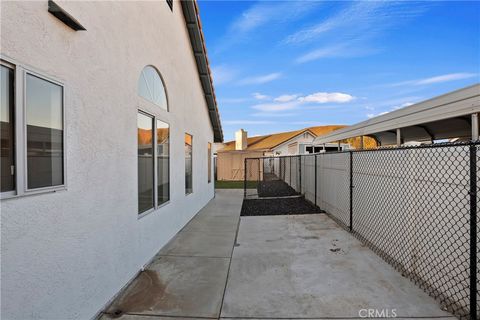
{"x": 284, "y": 149}
{"x": 66, "y": 254}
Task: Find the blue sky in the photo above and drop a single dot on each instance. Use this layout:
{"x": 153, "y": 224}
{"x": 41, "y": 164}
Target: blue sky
{"x": 285, "y": 65}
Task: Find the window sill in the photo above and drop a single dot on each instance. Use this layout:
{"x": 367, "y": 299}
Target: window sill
{"x": 152, "y": 210}
{"x": 14, "y": 195}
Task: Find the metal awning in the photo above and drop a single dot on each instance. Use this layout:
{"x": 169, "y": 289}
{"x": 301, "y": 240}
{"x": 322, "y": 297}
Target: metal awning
{"x": 443, "y": 117}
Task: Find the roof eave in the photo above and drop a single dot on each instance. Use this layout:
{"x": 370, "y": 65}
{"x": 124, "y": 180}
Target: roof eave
{"x": 197, "y": 41}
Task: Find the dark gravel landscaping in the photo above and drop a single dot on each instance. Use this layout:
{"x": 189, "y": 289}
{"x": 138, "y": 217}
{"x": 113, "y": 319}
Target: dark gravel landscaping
{"x": 280, "y": 206}
{"x": 275, "y": 188}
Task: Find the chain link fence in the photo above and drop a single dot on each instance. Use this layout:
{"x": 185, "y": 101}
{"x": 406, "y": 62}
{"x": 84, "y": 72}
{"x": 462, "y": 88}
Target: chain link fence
{"x": 416, "y": 207}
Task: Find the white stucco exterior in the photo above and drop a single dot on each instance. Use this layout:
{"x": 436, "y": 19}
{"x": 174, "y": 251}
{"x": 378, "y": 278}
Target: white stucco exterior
{"x": 66, "y": 254}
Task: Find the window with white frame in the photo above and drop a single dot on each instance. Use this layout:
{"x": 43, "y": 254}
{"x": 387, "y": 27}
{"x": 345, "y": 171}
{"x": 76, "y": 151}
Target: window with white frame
{"x": 153, "y": 151}
{"x": 32, "y": 132}
{"x": 150, "y": 87}
{"x": 44, "y": 121}
{"x": 7, "y": 129}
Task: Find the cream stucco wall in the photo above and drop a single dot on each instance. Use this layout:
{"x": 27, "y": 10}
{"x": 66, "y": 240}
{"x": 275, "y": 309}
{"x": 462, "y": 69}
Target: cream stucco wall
{"x": 65, "y": 254}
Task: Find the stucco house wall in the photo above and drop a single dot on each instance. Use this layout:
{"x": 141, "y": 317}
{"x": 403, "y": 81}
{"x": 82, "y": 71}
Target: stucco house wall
{"x": 66, "y": 254}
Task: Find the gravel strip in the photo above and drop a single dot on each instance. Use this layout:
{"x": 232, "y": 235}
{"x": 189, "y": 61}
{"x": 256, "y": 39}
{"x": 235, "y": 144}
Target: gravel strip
{"x": 279, "y": 206}
{"x": 275, "y": 188}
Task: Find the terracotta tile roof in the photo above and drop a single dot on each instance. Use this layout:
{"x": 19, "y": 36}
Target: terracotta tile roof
{"x": 270, "y": 141}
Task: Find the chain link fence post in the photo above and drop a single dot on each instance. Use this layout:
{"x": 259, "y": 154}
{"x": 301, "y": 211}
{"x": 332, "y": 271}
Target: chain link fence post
{"x": 473, "y": 232}
{"x": 315, "y": 180}
{"x": 351, "y": 192}
{"x": 245, "y": 178}
{"x": 300, "y": 172}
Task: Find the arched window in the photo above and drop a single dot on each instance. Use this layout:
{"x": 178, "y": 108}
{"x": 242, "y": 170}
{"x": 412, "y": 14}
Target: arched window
{"x": 151, "y": 88}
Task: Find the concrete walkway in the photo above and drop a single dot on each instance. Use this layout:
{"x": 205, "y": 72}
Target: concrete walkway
{"x": 284, "y": 267}
{"x": 188, "y": 276}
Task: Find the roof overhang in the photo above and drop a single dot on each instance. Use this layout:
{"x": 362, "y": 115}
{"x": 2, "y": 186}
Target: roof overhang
{"x": 442, "y": 117}
{"x": 197, "y": 40}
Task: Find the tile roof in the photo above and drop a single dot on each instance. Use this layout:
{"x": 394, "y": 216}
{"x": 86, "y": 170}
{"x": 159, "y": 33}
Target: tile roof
{"x": 270, "y": 141}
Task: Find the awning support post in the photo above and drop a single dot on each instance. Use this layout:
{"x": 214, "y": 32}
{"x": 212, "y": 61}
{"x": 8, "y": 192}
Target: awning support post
{"x": 474, "y": 126}
{"x": 399, "y": 137}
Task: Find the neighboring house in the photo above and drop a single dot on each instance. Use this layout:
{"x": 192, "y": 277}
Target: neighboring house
{"x": 106, "y": 146}
{"x": 231, "y": 155}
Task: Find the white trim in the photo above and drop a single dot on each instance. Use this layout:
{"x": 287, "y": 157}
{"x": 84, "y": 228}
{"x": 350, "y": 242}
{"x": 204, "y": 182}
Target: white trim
{"x": 21, "y": 166}
{"x": 13, "y": 193}
{"x": 62, "y": 186}
{"x": 156, "y": 206}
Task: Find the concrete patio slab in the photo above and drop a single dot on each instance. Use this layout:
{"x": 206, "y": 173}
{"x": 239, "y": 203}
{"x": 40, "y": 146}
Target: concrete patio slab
{"x": 176, "y": 286}
{"x": 305, "y": 266}
{"x": 187, "y": 278}
{"x": 149, "y": 317}
{"x": 337, "y": 318}
{"x": 200, "y": 244}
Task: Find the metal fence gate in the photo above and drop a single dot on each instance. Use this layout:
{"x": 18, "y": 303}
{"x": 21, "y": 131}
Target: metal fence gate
{"x": 416, "y": 207}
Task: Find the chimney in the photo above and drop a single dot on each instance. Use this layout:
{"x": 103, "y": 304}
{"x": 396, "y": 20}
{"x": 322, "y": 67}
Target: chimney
{"x": 241, "y": 140}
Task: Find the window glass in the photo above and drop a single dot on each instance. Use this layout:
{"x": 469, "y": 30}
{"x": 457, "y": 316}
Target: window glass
{"x": 163, "y": 155}
{"x": 188, "y": 163}
{"x": 44, "y": 115}
{"x": 7, "y": 130}
{"x": 145, "y": 162}
{"x": 209, "y": 159}
{"x": 150, "y": 87}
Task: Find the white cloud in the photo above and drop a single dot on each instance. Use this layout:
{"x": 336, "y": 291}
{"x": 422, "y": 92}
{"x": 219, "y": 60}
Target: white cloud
{"x": 351, "y": 31}
{"x": 232, "y": 100}
{"x": 261, "y": 78}
{"x": 437, "y": 79}
{"x": 259, "y": 96}
{"x": 326, "y": 52}
{"x": 270, "y": 12}
{"x": 273, "y": 107}
{"x": 372, "y": 115}
{"x": 262, "y": 15}
{"x": 326, "y": 97}
{"x": 406, "y": 104}
{"x": 361, "y": 18}
{"x": 286, "y": 98}
{"x": 222, "y": 74}
{"x": 316, "y": 98}
{"x": 344, "y": 50}
{"x": 403, "y": 105}
{"x": 246, "y": 122}
{"x": 270, "y": 114}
